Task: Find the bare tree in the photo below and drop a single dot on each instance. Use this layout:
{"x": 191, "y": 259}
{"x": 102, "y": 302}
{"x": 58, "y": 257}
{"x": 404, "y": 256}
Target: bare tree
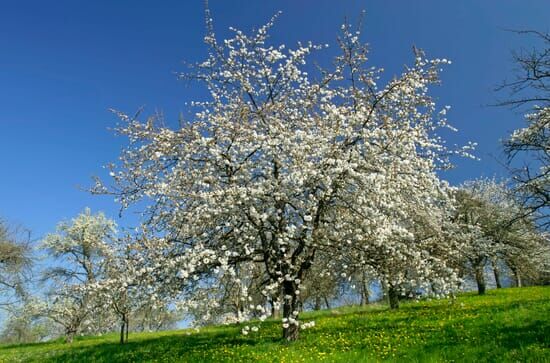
{"x": 15, "y": 263}
{"x": 530, "y": 146}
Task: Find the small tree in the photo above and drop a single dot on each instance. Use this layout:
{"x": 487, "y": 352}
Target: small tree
{"x": 321, "y": 283}
{"x": 127, "y": 290}
{"x": 121, "y": 289}
{"x": 81, "y": 248}
{"x": 120, "y": 292}
{"x": 472, "y": 213}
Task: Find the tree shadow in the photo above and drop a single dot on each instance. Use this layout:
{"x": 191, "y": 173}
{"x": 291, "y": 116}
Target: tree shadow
{"x": 490, "y": 344}
{"x": 166, "y": 348}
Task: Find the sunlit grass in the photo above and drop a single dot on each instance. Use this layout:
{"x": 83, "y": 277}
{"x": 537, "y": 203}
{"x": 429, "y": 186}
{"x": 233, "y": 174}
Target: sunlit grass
{"x": 505, "y": 325}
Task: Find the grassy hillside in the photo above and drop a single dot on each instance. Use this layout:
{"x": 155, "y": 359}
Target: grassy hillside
{"x": 504, "y": 325}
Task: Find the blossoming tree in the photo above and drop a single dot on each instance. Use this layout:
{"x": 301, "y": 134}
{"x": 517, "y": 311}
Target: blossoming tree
{"x": 81, "y": 249}
{"x": 283, "y": 162}
{"x": 495, "y": 229}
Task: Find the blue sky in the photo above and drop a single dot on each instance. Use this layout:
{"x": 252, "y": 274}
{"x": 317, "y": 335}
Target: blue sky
{"x": 63, "y": 64}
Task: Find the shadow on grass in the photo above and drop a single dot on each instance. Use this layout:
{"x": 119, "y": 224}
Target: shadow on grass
{"x": 174, "y": 348}
{"x": 491, "y": 345}
{"x": 535, "y": 333}
{"x": 416, "y": 332}
{"x": 13, "y": 346}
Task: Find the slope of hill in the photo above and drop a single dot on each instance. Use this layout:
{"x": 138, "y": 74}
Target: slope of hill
{"x": 505, "y": 325}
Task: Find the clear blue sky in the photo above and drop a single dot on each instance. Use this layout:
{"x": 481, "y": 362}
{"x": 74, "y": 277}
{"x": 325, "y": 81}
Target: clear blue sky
{"x": 64, "y": 63}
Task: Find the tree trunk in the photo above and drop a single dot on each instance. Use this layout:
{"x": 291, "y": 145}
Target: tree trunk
{"x": 317, "y": 303}
{"x": 393, "y": 297}
{"x": 364, "y": 292}
{"x": 122, "y": 328}
{"x": 69, "y": 335}
{"x": 127, "y": 327}
{"x": 327, "y": 303}
{"x": 517, "y": 276}
{"x": 274, "y": 309}
{"x": 480, "y": 280}
{"x": 290, "y": 331}
{"x": 496, "y": 272}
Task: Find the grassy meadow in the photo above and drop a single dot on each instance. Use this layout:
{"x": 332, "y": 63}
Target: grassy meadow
{"x": 506, "y": 325}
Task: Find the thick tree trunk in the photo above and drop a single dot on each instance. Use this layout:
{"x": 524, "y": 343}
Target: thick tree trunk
{"x": 122, "y": 333}
{"x": 69, "y": 335}
{"x": 290, "y": 331}
{"x": 393, "y": 297}
{"x": 480, "y": 280}
{"x": 496, "y": 272}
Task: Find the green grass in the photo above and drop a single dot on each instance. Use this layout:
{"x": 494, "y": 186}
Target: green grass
{"x": 508, "y": 325}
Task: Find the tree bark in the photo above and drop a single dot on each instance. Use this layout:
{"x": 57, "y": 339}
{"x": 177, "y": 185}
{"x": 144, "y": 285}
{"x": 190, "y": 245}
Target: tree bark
{"x": 69, "y": 335}
{"x": 517, "y": 277}
{"x": 127, "y": 327}
{"x": 327, "y": 303}
{"x": 317, "y": 303}
{"x": 291, "y": 331}
{"x": 480, "y": 280}
{"x": 274, "y": 309}
{"x": 364, "y": 292}
{"x": 393, "y": 297}
{"x": 496, "y": 272}
{"x": 122, "y": 328}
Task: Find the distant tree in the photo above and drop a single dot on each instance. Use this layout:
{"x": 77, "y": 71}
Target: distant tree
{"x": 150, "y": 317}
{"x": 124, "y": 289}
{"x": 81, "y": 249}
{"x": 496, "y": 230}
{"x": 530, "y": 146}
{"x": 427, "y": 243}
{"x": 119, "y": 290}
{"x": 25, "y": 323}
{"x": 527, "y": 254}
{"x": 15, "y": 264}
{"x": 476, "y": 223}
{"x": 321, "y": 283}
